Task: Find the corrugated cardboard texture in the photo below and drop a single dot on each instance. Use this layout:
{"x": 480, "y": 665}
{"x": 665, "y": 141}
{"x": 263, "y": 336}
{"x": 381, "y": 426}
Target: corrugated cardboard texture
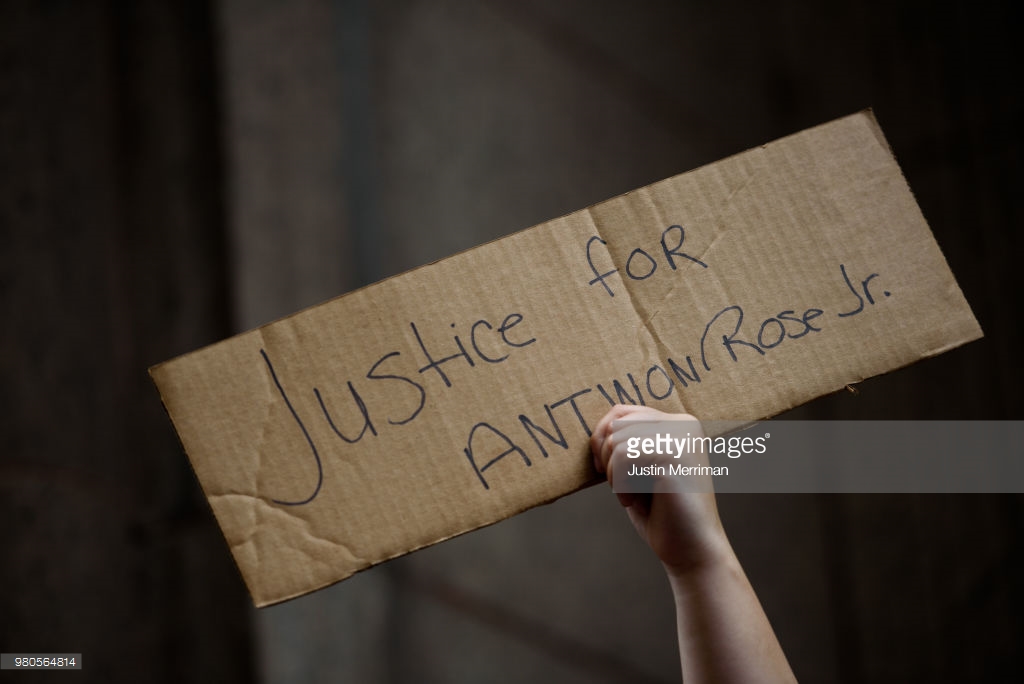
{"x": 463, "y": 392}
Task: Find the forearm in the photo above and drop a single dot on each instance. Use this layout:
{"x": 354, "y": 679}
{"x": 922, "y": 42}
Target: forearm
{"x": 724, "y": 635}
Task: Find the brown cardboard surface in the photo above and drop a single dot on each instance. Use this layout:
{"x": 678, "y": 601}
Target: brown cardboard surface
{"x": 463, "y": 392}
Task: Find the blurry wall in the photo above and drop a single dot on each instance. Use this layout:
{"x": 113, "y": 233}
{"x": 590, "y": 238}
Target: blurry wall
{"x": 112, "y": 258}
{"x": 178, "y": 172}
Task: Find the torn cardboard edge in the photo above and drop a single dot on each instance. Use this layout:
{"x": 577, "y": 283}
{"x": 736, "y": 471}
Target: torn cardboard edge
{"x": 460, "y": 393}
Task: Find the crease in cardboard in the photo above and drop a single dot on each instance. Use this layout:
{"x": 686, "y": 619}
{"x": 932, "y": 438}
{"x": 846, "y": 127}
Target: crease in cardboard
{"x": 264, "y": 514}
{"x": 661, "y": 350}
{"x": 745, "y": 183}
{"x": 641, "y": 324}
{"x": 719, "y": 235}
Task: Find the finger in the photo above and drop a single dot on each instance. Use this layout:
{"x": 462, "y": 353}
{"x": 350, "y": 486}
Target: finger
{"x": 615, "y": 452}
{"x": 603, "y": 426}
{"x": 605, "y": 454}
{"x": 599, "y": 446}
{"x": 623, "y": 421}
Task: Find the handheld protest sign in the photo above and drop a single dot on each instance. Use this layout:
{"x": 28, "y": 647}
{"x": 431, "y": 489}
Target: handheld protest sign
{"x": 463, "y": 392}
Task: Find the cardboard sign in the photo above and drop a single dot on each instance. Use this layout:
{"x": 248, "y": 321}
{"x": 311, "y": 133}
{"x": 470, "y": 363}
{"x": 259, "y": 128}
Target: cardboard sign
{"x": 463, "y": 392}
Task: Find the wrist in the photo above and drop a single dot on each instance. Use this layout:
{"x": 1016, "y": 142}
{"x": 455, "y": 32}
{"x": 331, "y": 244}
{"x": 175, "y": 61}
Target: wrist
{"x": 714, "y": 556}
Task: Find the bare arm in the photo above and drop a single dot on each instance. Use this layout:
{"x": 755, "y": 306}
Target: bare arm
{"x": 724, "y": 635}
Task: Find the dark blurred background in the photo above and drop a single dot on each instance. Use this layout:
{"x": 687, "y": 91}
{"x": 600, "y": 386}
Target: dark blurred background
{"x": 172, "y": 172}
